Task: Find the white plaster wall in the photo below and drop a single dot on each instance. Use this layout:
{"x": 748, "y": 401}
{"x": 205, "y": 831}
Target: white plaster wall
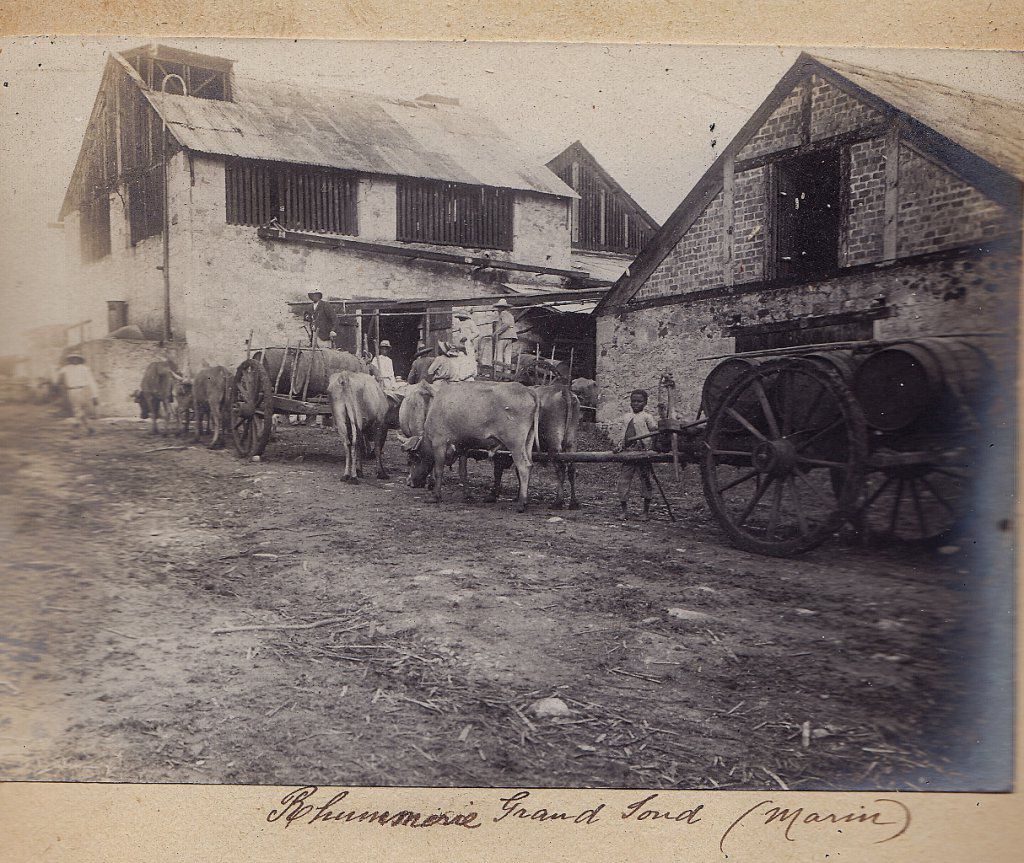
{"x": 541, "y": 233}
{"x": 376, "y": 209}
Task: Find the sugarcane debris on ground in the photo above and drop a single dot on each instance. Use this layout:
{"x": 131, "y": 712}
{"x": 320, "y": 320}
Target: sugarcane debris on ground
{"x": 184, "y": 616}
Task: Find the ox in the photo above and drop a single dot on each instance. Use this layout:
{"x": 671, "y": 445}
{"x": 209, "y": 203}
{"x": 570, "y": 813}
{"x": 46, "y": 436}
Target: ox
{"x": 558, "y": 428}
{"x": 211, "y": 388}
{"x": 361, "y": 410}
{"x": 156, "y": 390}
{"x": 483, "y": 415}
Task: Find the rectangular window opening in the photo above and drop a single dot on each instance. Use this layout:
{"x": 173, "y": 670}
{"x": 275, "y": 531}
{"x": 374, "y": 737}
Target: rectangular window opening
{"x": 94, "y": 228}
{"x": 301, "y": 198}
{"x": 453, "y": 214}
{"x": 807, "y": 215}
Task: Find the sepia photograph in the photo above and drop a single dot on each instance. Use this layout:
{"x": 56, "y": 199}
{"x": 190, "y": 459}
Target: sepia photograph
{"x": 507, "y": 415}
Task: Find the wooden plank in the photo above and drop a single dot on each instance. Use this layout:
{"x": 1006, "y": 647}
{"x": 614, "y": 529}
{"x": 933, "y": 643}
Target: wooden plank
{"x": 405, "y": 252}
{"x": 892, "y": 182}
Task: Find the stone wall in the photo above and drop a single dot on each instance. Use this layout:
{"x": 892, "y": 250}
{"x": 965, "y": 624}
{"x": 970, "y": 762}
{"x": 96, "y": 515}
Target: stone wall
{"x": 118, "y": 366}
{"x": 968, "y": 294}
{"x": 226, "y": 282}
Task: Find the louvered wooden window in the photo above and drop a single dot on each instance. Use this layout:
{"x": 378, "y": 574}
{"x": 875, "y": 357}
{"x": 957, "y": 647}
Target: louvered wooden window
{"x": 452, "y": 214}
{"x": 301, "y": 198}
{"x": 146, "y": 203}
{"x": 94, "y": 228}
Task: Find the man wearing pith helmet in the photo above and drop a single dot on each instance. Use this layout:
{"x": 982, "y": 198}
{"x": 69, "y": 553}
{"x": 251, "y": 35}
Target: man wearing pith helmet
{"x": 322, "y": 321}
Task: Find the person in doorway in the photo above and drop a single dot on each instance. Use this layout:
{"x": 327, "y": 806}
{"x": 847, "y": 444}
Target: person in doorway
{"x": 81, "y": 390}
{"x": 418, "y": 371}
{"x": 505, "y": 333}
{"x": 320, "y": 316}
{"x": 443, "y": 367}
{"x": 639, "y": 424}
{"x": 384, "y": 366}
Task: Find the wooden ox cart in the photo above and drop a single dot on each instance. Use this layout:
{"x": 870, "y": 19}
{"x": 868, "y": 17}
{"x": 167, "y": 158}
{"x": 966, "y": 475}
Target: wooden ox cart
{"x": 796, "y": 442}
{"x": 281, "y": 380}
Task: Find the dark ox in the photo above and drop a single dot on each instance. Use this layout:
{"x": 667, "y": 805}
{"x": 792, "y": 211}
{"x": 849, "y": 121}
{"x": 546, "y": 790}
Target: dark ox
{"x": 558, "y": 428}
{"x": 211, "y": 388}
{"x": 477, "y": 415}
{"x": 156, "y": 391}
{"x": 362, "y": 410}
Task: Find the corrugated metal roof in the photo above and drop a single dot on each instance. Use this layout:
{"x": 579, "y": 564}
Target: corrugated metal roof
{"x": 992, "y": 128}
{"x": 356, "y": 132}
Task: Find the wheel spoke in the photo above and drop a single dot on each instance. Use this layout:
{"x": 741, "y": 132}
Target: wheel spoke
{"x": 935, "y": 493}
{"x": 813, "y": 403}
{"x": 810, "y": 486}
{"x": 769, "y": 414}
{"x": 746, "y": 424}
{"x": 801, "y": 519}
{"x": 895, "y": 507}
{"x": 946, "y": 471}
{"x": 747, "y": 476}
{"x": 877, "y": 492}
{"x": 761, "y": 489}
{"x": 819, "y": 434}
{"x": 820, "y": 462}
{"x": 732, "y": 452}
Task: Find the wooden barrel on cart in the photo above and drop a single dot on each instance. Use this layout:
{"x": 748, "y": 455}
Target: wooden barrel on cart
{"x": 844, "y": 363}
{"x": 921, "y": 380}
{"x": 296, "y": 371}
{"x": 722, "y": 378}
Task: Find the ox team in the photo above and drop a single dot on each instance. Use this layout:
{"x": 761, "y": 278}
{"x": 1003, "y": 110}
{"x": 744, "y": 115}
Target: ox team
{"x": 439, "y": 413}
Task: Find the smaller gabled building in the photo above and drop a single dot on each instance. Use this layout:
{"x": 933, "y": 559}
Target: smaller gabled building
{"x": 854, "y": 204}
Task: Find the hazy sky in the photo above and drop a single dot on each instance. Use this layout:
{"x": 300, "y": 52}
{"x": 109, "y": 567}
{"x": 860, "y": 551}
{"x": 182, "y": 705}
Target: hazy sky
{"x": 645, "y": 112}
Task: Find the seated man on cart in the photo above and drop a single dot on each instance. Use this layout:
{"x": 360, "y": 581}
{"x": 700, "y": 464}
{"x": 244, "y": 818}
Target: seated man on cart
{"x": 320, "y": 316}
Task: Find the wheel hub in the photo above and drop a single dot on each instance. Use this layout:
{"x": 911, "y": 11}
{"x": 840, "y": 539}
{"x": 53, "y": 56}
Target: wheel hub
{"x": 776, "y": 457}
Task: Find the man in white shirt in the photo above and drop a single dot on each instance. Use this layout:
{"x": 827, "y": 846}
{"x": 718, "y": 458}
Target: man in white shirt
{"x": 443, "y": 368}
{"x": 639, "y": 424}
{"x": 384, "y": 366}
{"x": 505, "y": 333}
{"x": 466, "y": 332}
{"x": 81, "y": 389}
{"x": 464, "y": 363}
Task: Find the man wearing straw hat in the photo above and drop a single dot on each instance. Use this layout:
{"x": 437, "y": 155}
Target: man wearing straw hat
{"x": 505, "y": 333}
{"x": 81, "y": 390}
{"x": 385, "y": 366}
{"x": 321, "y": 319}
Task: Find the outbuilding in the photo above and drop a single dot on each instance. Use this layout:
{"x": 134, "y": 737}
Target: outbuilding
{"x": 854, "y": 204}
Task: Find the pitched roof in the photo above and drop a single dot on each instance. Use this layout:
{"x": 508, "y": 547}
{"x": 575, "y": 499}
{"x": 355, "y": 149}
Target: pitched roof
{"x": 977, "y": 137}
{"x": 992, "y": 128}
{"x": 577, "y": 149}
{"x": 333, "y": 128}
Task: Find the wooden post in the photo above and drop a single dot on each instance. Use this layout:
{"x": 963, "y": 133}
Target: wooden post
{"x": 572, "y": 352}
{"x": 891, "y": 200}
{"x": 376, "y": 331}
{"x": 494, "y": 348}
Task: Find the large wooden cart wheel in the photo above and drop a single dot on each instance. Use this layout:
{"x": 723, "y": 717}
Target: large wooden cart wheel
{"x": 784, "y": 461}
{"x": 252, "y": 408}
{"x": 915, "y": 503}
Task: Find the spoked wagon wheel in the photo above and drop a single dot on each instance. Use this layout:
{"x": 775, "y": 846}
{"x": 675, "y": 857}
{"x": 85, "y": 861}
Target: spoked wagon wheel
{"x": 252, "y": 408}
{"x": 914, "y": 503}
{"x": 783, "y": 437}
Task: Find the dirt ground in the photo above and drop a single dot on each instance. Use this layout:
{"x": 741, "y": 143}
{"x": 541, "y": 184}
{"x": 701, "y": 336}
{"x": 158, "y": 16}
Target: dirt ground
{"x": 684, "y": 662}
